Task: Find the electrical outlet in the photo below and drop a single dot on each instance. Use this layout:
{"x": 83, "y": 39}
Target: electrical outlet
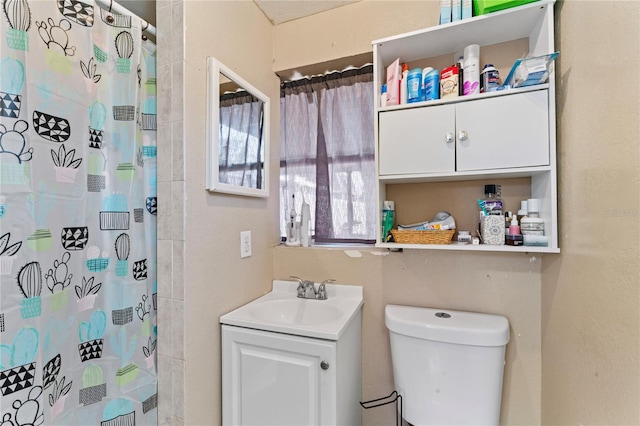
{"x": 245, "y": 244}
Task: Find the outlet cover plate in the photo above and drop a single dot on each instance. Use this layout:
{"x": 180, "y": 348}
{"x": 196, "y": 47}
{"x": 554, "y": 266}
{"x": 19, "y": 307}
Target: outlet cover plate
{"x": 245, "y": 244}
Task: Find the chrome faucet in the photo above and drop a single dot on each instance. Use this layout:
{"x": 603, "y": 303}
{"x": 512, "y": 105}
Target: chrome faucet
{"x": 307, "y": 289}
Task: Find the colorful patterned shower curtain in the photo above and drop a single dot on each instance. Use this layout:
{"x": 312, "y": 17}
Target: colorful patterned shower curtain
{"x": 77, "y": 216}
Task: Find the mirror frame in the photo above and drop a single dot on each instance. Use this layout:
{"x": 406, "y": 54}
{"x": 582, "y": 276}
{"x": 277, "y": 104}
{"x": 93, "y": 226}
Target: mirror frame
{"x": 214, "y": 69}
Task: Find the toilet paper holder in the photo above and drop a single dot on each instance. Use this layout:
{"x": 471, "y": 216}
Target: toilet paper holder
{"x": 392, "y": 397}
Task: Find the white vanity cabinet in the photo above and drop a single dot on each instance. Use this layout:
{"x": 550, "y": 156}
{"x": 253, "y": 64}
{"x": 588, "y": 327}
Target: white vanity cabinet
{"x": 493, "y": 133}
{"x": 297, "y": 364}
{"x": 509, "y": 134}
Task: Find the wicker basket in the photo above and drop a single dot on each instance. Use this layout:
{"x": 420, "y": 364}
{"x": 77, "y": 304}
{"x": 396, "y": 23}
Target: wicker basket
{"x": 423, "y": 237}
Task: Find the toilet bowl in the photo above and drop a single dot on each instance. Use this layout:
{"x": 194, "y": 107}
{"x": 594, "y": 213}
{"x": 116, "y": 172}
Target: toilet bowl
{"x": 447, "y": 365}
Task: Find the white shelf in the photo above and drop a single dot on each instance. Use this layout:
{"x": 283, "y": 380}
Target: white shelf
{"x": 534, "y": 22}
{"x": 459, "y": 99}
{"x": 471, "y": 247}
{"x": 465, "y": 175}
{"x": 493, "y": 28}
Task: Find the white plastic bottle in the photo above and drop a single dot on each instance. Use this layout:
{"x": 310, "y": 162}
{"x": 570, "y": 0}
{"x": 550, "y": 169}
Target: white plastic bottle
{"x": 403, "y": 84}
{"x": 471, "y": 66}
{"x": 305, "y": 219}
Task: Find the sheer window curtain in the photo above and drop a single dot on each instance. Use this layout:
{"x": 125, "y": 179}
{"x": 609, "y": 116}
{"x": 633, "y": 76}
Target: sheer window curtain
{"x": 240, "y": 158}
{"x": 327, "y": 154}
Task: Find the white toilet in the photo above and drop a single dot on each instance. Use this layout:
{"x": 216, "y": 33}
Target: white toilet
{"x": 447, "y": 365}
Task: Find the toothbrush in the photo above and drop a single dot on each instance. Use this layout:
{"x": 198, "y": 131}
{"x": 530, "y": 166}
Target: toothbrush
{"x": 292, "y": 218}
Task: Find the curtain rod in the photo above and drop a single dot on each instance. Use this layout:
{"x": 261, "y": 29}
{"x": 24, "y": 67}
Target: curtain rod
{"x": 119, "y": 9}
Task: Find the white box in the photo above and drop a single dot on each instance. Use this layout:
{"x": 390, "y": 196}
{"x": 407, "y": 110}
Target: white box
{"x": 467, "y": 9}
{"x": 445, "y": 11}
{"x": 456, "y": 10}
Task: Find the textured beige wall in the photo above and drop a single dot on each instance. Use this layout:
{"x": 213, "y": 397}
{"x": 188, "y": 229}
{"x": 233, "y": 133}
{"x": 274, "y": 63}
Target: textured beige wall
{"x": 591, "y": 308}
{"x": 216, "y": 279}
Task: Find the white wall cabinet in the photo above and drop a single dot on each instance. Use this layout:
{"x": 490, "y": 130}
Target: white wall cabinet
{"x": 495, "y": 135}
{"x": 279, "y": 379}
{"x": 492, "y": 133}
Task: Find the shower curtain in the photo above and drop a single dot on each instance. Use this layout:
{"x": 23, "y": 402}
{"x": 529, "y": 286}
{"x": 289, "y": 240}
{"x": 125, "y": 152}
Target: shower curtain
{"x": 77, "y": 216}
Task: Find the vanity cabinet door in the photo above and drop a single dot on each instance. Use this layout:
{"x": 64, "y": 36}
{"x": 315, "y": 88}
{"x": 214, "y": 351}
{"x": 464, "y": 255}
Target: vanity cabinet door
{"x": 417, "y": 140}
{"x": 277, "y": 379}
{"x": 503, "y": 132}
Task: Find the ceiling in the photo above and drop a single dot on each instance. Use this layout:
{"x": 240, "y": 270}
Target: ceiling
{"x": 279, "y": 11}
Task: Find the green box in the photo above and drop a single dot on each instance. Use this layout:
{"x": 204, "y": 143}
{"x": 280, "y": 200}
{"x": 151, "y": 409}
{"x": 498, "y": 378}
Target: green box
{"x": 482, "y": 7}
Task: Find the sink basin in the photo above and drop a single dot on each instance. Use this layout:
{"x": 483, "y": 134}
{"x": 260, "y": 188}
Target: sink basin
{"x": 282, "y": 311}
{"x": 296, "y": 311}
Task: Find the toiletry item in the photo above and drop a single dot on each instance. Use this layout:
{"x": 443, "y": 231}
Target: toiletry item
{"x": 403, "y": 84}
{"x": 513, "y": 240}
{"x": 471, "y": 67}
{"x": 491, "y": 204}
{"x": 466, "y": 9}
{"x": 414, "y": 85}
{"x": 489, "y": 78}
{"x": 442, "y": 221}
{"x": 532, "y": 224}
{"x": 293, "y": 227}
{"x": 523, "y": 210}
{"x": 445, "y": 11}
{"x": 514, "y": 229}
{"x": 425, "y": 71}
{"x": 464, "y": 237}
{"x": 388, "y": 218}
{"x": 460, "y": 77}
{"x": 508, "y": 216}
{"x": 431, "y": 84}
{"x": 449, "y": 82}
{"x": 383, "y": 96}
{"x": 535, "y": 240}
{"x": 493, "y": 198}
{"x": 305, "y": 221}
{"x": 393, "y": 79}
{"x": 492, "y": 230}
{"x": 456, "y": 10}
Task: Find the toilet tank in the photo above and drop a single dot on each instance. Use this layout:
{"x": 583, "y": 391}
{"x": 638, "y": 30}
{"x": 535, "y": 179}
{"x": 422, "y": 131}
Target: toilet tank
{"x": 447, "y": 365}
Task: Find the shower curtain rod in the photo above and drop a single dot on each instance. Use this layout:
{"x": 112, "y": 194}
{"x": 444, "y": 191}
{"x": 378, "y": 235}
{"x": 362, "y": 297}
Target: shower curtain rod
{"x": 119, "y": 9}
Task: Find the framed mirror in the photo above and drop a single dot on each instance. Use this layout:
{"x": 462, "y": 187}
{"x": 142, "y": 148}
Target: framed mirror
{"x": 237, "y": 134}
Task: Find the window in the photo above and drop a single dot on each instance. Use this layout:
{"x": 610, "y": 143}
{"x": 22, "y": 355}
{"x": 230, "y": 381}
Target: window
{"x": 327, "y": 154}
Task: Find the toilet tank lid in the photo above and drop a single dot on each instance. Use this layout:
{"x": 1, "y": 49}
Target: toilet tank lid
{"x": 444, "y": 325}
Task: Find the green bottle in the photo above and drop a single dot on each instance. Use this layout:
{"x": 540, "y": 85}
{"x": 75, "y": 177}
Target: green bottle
{"x": 388, "y": 217}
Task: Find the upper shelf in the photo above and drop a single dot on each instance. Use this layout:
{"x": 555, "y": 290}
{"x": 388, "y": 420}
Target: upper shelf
{"x": 493, "y": 28}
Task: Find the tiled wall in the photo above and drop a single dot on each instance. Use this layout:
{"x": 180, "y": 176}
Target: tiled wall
{"x": 171, "y": 230}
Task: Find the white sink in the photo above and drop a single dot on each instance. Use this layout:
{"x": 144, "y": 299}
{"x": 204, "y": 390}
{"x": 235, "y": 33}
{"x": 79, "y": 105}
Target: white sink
{"x": 282, "y": 311}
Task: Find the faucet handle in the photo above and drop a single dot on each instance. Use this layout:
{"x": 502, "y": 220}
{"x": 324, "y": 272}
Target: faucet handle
{"x": 322, "y": 290}
{"x": 300, "y": 288}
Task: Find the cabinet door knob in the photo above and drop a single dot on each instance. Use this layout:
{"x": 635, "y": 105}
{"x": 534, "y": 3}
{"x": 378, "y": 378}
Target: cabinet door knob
{"x": 324, "y": 365}
{"x": 462, "y": 135}
{"x": 448, "y": 137}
